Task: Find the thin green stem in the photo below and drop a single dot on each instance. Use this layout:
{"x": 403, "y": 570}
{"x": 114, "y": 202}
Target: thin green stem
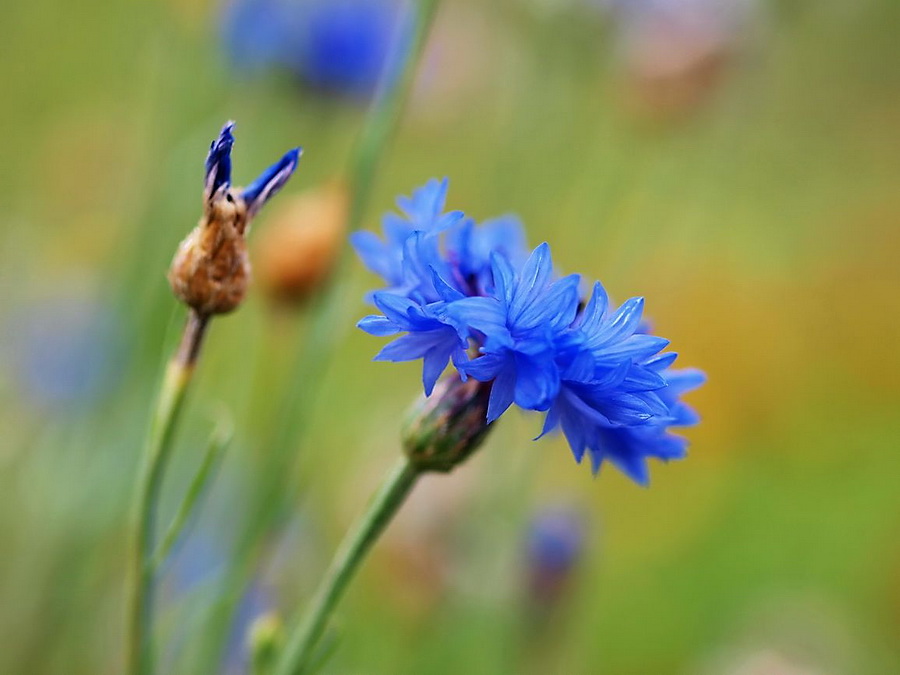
{"x": 155, "y": 460}
{"x": 217, "y": 443}
{"x": 352, "y": 551}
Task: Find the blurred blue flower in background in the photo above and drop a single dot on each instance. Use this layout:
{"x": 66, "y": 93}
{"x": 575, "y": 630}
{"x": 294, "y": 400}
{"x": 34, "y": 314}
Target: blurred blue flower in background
{"x": 468, "y": 294}
{"x": 553, "y": 547}
{"x": 65, "y": 351}
{"x": 339, "y": 46}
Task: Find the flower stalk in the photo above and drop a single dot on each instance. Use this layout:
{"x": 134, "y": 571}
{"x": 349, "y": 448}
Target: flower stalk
{"x": 156, "y": 456}
{"x": 359, "y": 540}
{"x": 210, "y": 274}
{"x": 443, "y": 431}
{"x": 219, "y": 441}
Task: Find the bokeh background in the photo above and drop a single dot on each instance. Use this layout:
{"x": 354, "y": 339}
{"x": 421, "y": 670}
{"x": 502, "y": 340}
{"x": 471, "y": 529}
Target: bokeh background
{"x": 735, "y": 162}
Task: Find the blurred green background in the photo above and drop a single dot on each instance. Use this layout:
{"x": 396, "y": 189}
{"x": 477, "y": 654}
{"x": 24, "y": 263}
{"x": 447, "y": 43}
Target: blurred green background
{"x": 747, "y": 189}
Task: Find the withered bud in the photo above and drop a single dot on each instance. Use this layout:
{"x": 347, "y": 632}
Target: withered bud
{"x": 211, "y": 269}
{"x": 444, "y": 429}
{"x": 301, "y": 243}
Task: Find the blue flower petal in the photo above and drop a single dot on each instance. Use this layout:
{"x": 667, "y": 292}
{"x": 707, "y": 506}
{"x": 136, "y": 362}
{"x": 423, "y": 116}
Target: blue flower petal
{"x": 502, "y": 394}
{"x": 378, "y": 325}
{"x": 218, "y": 161}
{"x": 537, "y": 382}
{"x": 622, "y": 324}
{"x": 270, "y": 181}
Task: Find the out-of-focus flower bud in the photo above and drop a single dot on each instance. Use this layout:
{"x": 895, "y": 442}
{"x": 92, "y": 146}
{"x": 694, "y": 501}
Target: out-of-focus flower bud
{"x": 265, "y": 641}
{"x": 211, "y": 269}
{"x": 671, "y": 73}
{"x": 301, "y": 243}
{"x": 445, "y": 428}
{"x": 677, "y": 52}
{"x": 554, "y": 546}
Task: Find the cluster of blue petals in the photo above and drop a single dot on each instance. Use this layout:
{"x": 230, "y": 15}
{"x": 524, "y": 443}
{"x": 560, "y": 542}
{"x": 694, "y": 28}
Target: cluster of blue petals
{"x": 472, "y": 295}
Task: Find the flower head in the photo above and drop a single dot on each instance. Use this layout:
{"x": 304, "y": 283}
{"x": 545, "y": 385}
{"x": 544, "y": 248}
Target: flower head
{"x": 470, "y": 295}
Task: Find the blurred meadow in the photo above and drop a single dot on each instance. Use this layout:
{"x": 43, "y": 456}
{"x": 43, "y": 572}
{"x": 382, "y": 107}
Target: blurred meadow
{"x": 741, "y": 175}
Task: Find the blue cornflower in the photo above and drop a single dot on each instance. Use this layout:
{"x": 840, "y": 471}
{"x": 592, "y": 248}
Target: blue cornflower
{"x": 270, "y": 181}
{"x": 338, "y": 46}
{"x": 471, "y": 246}
{"x": 469, "y": 294}
{"x": 347, "y": 44}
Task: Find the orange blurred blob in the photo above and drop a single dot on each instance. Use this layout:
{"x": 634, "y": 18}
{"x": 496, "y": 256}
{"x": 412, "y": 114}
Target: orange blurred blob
{"x": 299, "y": 247}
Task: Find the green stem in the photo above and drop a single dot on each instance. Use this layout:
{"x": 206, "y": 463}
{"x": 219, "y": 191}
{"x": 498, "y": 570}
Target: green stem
{"x": 155, "y": 459}
{"x": 302, "y": 641}
{"x": 220, "y": 439}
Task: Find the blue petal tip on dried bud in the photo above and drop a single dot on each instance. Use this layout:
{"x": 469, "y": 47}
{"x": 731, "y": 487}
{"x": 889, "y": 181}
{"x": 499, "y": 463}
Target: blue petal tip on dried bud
{"x": 445, "y": 428}
{"x": 218, "y": 161}
{"x": 270, "y": 181}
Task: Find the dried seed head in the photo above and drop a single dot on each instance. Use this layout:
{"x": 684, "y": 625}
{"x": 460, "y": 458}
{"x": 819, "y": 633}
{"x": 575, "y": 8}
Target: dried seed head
{"x": 301, "y": 243}
{"x": 211, "y": 269}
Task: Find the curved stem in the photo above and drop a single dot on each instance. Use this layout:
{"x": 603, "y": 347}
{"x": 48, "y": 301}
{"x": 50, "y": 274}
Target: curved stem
{"x": 155, "y": 460}
{"x": 302, "y": 641}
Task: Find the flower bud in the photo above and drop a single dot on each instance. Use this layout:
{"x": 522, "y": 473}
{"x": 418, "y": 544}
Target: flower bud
{"x": 300, "y": 245}
{"x": 448, "y": 426}
{"x": 554, "y": 547}
{"x": 211, "y": 269}
{"x": 266, "y": 640}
